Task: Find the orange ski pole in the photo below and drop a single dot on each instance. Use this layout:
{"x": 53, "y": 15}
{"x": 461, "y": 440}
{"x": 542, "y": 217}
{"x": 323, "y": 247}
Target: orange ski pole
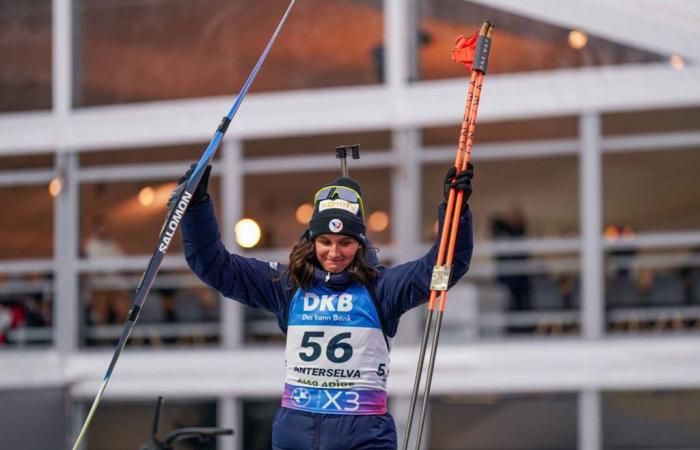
{"x": 477, "y": 47}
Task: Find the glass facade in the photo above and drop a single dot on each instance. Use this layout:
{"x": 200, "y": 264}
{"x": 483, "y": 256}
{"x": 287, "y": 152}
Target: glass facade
{"x": 25, "y": 55}
{"x": 142, "y": 51}
{"x": 646, "y": 419}
{"x": 491, "y": 421}
{"x": 28, "y": 231}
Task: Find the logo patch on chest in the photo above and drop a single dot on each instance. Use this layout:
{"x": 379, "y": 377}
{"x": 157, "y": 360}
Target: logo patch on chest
{"x": 339, "y": 303}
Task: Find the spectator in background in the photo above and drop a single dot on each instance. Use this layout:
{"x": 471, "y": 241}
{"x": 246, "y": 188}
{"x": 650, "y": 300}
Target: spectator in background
{"x": 37, "y": 302}
{"x": 12, "y": 315}
{"x": 108, "y": 302}
{"x": 5, "y": 323}
{"x": 512, "y": 226}
{"x": 25, "y": 301}
{"x": 690, "y": 274}
{"x": 378, "y": 57}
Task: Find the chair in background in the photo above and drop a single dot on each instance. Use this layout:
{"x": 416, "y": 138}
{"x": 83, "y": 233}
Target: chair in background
{"x": 189, "y": 311}
{"x": 151, "y": 313}
{"x": 622, "y": 293}
{"x": 667, "y": 291}
{"x": 694, "y": 287}
{"x": 546, "y": 296}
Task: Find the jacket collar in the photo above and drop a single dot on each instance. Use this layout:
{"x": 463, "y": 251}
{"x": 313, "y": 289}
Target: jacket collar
{"x": 334, "y": 280}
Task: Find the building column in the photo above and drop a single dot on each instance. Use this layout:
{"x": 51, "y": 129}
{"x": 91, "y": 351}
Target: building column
{"x": 62, "y": 56}
{"x": 230, "y": 415}
{"x": 591, "y": 204}
{"x": 592, "y": 268}
{"x": 66, "y": 302}
{"x": 589, "y": 420}
{"x": 232, "y": 313}
{"x": 406, "y": 218}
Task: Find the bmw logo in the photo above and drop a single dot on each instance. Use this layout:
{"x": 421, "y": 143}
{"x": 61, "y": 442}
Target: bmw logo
{"x": 335, "y": 225}
{"x": 300, "y": 396}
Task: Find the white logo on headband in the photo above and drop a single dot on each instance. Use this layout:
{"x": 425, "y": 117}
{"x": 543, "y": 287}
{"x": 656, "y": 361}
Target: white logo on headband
{"x": 335, "y": 225}
{"x": 341, "y": 204}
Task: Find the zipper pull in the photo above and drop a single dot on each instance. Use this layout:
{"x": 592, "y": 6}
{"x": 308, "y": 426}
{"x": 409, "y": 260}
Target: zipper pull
{"x": 328, "y": 277}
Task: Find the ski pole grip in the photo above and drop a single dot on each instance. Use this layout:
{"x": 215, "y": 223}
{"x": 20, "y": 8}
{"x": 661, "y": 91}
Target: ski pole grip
{"x": 483, "y": 47}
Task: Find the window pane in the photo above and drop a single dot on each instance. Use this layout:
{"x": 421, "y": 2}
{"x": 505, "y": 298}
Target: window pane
{"x": 182, "y": 152}
{"x": 654, "y": 121}
{"x": 257, "y": 423}
{"x": 319, "y": 144}
{"x": 135, "y": 419}
{"x": 653, "y": 291}
{"x": 534, "y": 421}
{"x": 25, "y": 55}
{"x": 15, "y": 162}
{"x": 33, "y": 416}
{"x": 505, "y": 131}
{"x": 658, "y": 419}
{"x": 124, "y": 218}
{"x": 545, "y": 190}
{"x": 28, "y": 231}
{"x": 520, "y": 44}
{"x": 517, "y": 295}
{"x": 143, "y": 50}
{"x": 179, "y": 310}
{"x": 652, "y": 191}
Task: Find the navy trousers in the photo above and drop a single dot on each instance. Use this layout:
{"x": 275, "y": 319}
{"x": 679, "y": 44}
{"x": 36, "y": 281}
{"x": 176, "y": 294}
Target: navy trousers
{"x": 300, "y": 430}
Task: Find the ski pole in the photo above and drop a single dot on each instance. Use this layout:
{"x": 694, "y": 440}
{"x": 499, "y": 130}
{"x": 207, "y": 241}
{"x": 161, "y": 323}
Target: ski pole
{"x": 172, "y": 220}
{"x": 480, "y": 46}
{"x": 433, "y": 294}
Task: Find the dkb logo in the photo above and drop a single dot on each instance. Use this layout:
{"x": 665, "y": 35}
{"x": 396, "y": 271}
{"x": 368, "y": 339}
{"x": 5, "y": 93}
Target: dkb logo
{"x": 342, "y": 303}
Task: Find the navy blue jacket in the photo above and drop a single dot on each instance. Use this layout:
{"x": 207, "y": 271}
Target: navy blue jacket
{"x": 261, "y": 284}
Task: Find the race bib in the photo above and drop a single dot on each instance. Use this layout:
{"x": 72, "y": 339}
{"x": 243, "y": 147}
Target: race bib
{"x": 336, "y": 356}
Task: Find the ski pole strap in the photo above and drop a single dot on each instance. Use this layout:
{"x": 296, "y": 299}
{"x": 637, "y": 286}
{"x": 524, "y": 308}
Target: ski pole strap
{"x": 440, "y": 280}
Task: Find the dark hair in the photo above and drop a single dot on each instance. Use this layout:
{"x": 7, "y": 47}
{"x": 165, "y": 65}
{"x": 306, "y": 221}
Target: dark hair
{"x": 302, "y": 260}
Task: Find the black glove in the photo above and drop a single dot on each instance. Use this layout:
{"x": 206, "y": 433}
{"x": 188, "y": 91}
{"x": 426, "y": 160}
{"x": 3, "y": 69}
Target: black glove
{"x": 459, "y": 181}
{"x": 200, "y": 194}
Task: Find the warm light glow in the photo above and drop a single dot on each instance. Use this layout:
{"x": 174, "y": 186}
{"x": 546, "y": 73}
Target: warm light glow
{"x": 146, "y": 196}
{"x": 55, "y": 186}
{"x": 378, "y": 221}
{"x": 577, "y": 39}
{"x": 676, "y": 62}
{"x": 304, "y": 212}
{"x": 247, "y": 233}
{"x": 628, "y": 232}
{"x": 612, "y": 233}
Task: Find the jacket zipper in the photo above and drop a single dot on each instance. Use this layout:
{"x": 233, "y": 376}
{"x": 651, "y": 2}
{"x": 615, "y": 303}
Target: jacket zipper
{"x": 328, "y": 277}
{"x": 318, "y": 432}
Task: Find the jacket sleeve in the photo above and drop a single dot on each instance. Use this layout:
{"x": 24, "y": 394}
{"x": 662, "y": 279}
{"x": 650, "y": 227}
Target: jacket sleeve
{"x": 250, "y": 281}
{"x": 406, "y": 286}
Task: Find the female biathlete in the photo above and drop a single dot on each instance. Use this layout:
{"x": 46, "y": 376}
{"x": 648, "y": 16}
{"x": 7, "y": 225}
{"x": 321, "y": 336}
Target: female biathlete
{"x": 337, "y": 306}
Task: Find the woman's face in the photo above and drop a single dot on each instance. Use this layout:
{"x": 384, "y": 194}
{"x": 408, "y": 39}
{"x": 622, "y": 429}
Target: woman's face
{"x": 335, "y": 252}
